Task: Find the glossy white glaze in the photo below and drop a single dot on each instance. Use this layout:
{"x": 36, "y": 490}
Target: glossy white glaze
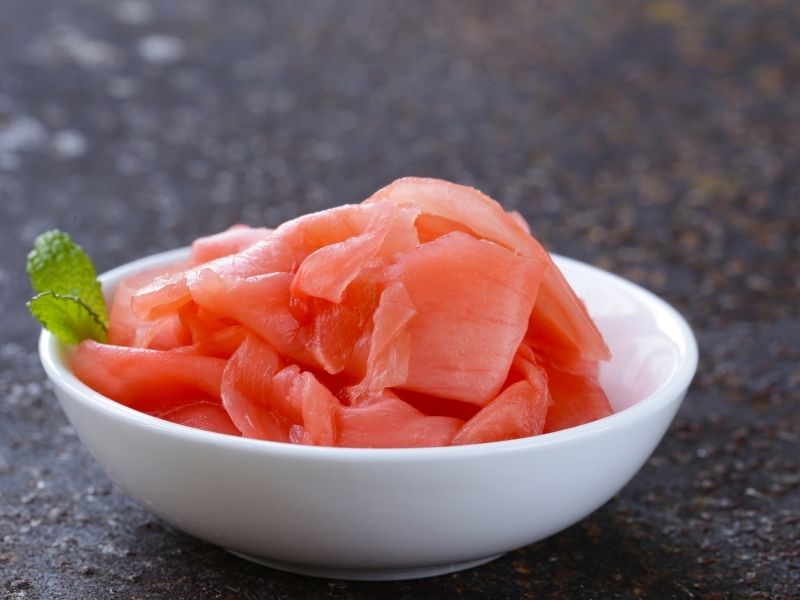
{"x": 393, "y": 514}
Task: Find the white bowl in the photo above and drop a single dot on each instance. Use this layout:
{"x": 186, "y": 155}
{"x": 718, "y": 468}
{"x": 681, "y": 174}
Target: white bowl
{"x": 400, "y": 513}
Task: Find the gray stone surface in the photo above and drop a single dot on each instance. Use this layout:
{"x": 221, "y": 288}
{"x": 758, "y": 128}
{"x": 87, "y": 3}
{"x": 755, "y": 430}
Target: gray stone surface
{"x": 659, "y": 139}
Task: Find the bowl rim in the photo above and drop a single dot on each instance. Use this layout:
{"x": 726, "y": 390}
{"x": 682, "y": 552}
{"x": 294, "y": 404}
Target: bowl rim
{"x": 52, "y": 352}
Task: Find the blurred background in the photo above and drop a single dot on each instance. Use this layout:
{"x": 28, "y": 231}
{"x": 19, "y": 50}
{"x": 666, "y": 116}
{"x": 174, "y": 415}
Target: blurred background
{"x": 656, "y": 138}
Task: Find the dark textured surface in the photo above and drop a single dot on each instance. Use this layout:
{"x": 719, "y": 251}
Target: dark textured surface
{"x": 658, "y": 139}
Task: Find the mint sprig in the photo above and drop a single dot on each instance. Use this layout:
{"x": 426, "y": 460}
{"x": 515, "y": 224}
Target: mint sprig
{"x": 69, "y": 301}
{"x": 68, "y": 318}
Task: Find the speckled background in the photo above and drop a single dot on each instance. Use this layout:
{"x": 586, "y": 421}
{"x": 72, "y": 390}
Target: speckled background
{"x": 657, "y": 139}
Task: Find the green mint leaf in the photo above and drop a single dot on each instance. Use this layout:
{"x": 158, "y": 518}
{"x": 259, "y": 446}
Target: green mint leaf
{"x": 58, "y": 265}
{"x": 69, "y": 318}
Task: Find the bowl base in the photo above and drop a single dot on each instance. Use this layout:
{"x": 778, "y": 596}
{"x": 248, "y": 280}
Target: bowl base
{"x": 366, "y": 574}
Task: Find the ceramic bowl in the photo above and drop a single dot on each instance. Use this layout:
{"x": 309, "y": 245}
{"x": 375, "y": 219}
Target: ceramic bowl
{"x": 379, "y": 514}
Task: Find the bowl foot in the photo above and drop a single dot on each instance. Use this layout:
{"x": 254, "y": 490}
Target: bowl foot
{"x": 377, "y": 574}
